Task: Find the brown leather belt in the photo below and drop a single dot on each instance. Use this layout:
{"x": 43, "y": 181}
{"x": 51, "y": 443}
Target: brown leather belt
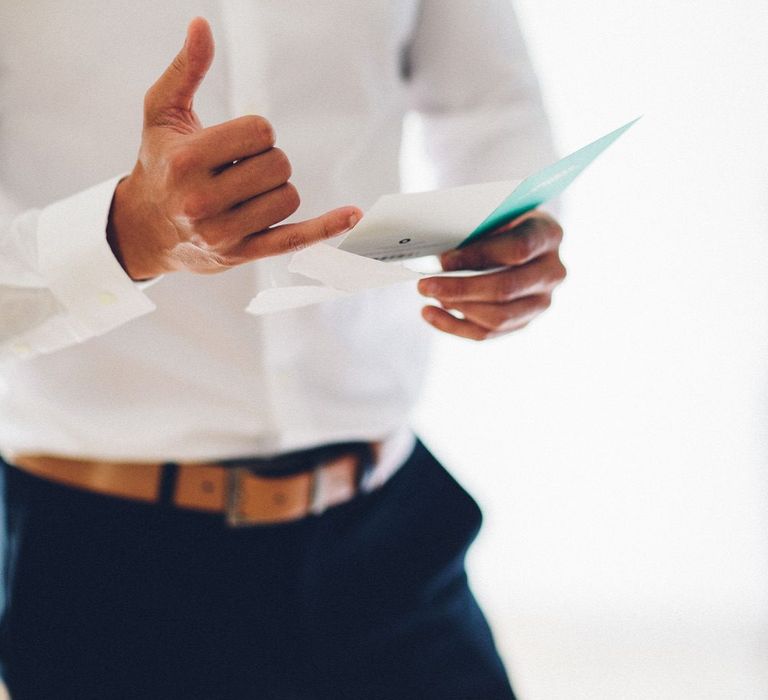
{"x": 329, "y": 477}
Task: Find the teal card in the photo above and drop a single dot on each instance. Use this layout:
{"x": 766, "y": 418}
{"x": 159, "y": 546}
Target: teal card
{"x": 544, "y": 185}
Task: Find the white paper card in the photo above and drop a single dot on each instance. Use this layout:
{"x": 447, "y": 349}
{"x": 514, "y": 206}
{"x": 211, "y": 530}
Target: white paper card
{"x": 402, "y": 226}
{"x": 347, "y": 271}
{"x": 283, "y": 298}
{"x": 338, "y": 274}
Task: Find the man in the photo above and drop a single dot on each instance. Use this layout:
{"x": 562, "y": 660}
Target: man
{"x": 204, "y": 504}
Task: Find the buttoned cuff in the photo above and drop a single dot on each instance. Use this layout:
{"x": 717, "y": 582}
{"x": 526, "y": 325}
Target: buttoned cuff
{"x": 79, "y": 266}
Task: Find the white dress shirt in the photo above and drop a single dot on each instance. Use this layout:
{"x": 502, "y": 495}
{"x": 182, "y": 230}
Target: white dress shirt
{"x": 95, "y": 365}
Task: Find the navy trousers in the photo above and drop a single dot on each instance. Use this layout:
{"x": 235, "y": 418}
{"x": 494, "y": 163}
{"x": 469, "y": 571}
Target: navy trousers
{"x": 109, "y": 598}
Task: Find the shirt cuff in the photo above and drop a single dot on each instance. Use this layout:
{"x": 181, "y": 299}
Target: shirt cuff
{"x": 78, "y": 264}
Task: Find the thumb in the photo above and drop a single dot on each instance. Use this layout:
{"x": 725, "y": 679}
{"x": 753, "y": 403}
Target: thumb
{"x": 176, "y": 87}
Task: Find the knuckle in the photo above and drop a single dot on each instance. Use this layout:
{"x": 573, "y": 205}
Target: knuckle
{"x": 149, "y": 100}
{"x": 524, "y": 248}
{"x": 553, "y": 274}
{"x": 264, "y": 131}
{"x": 180, "y": 163}
{"x": 290, "y": 199}
{"x": 195, "y": 207}
{"x": 282, "y": 166}
{"x": 556, "y": 231}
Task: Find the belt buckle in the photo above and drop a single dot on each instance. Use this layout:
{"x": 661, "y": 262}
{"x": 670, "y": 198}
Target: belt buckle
{"x": 232, "y": 512}
{"x": 318, "y": 498}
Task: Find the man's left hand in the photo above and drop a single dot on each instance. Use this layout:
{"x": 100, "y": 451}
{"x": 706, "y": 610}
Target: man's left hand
{"x": 500, "y": 302}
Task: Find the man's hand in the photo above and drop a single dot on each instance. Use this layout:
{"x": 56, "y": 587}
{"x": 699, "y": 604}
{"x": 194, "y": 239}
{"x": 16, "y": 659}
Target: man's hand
{"x": 498, "y": 302}
{"x": 204, "y": 199}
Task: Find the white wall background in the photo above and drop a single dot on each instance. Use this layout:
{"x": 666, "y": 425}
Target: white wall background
{"x": 619, "y": 445}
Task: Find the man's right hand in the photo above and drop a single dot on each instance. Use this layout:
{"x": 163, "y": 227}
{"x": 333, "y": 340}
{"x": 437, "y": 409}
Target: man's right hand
{"x": 206, "y": 200}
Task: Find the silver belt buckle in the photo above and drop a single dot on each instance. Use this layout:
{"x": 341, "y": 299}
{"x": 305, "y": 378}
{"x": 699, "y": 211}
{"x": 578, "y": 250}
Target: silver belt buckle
{"x": 234, "y": 516}
{"x": 232, "y": 512}
{"x": 320, "y": 493}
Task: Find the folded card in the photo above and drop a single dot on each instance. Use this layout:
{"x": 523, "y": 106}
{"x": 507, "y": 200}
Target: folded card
{"x": 402, "y": 226}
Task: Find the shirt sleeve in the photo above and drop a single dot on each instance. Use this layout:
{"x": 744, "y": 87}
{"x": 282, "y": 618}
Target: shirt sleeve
{"x": 472, "y": 83}
{"x": 60, "y": 283}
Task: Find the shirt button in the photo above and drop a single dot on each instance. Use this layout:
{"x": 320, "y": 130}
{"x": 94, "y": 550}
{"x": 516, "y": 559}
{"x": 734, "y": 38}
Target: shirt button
{"x": 107, "y": 298}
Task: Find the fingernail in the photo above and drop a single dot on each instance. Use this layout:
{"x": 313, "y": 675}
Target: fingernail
{"x": 353, "y": 221}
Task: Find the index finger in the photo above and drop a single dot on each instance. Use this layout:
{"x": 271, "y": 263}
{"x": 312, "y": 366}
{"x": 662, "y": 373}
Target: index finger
{"x": 534, "y": 236}
{"x": 291, "y": 238}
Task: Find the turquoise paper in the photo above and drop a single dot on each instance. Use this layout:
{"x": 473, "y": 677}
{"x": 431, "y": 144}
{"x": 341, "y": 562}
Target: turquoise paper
{"x": 544, "y": 185}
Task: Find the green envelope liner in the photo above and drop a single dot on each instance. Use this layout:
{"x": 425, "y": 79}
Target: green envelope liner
{"x": 544, "y": 185}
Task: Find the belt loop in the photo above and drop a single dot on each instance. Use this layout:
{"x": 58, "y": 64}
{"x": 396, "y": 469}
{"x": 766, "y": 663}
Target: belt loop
{"x": 167, "y": 490}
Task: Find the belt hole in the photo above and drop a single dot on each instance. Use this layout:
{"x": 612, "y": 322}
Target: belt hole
{"x": 207, "y": 486}
{"x": 279, "y": 499}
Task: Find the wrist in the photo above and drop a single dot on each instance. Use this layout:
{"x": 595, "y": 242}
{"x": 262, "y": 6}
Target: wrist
{"x": 123, "y": 235}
